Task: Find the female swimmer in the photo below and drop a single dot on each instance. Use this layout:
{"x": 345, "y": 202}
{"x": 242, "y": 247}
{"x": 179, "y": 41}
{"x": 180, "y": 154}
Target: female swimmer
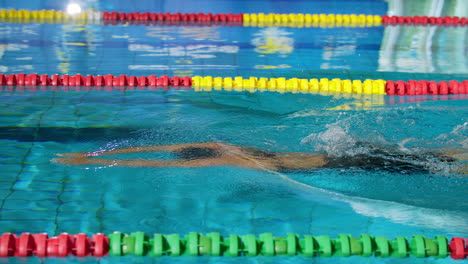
{"x": 223, "y": 154}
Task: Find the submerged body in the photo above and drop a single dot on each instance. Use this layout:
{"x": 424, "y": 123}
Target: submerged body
{"x": 222, "y": 154}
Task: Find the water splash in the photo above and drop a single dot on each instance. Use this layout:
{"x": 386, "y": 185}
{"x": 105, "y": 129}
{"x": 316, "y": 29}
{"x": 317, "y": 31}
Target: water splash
{"x": 396, "y": 139}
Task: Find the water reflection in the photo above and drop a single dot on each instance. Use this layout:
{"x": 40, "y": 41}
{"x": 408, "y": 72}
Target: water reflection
{"x": 273, "y": 41}
{"x": 423, "y": 49}
{"x": 189, "y": 51}
{"x": 193, "y": 51}
{"x": 269, "y": 51}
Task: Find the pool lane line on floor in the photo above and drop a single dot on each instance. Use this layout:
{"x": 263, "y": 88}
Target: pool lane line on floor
{"x": 213, "y": 244}
{"x": 206, "y": 83}
{"x": 229, "y": 19}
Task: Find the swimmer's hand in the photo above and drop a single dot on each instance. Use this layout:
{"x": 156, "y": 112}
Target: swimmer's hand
{"x": 78, "y": 154}
{"x": 73, "y": 161}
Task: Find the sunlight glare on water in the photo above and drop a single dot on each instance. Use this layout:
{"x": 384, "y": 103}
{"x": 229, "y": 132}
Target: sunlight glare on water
{"x": 73, "y": 8}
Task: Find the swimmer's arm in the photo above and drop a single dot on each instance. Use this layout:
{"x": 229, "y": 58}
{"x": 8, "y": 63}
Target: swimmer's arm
{"x": 210, "y": 162}
{"x": 142, "y": 163}
{"x": 164, "y": 148}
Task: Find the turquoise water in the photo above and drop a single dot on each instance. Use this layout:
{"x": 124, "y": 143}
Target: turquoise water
{"x": 40, "y": 196}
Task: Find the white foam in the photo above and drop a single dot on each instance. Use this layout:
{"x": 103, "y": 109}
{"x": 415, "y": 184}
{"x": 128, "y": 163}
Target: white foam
{"x": 340, "y": 139}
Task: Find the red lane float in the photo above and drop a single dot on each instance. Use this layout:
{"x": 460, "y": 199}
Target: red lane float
{"x": 34, "y": 79}
{"x": 413, "y": 87}
{"x": 167, "y": 18}
{"x": 424, "y": 20}
{"x": 41, "y": 245}
{"x": 458, "y": 248}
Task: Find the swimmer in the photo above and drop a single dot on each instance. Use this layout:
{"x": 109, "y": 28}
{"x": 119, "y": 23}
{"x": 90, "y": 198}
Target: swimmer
{"x": 222, "y": 154}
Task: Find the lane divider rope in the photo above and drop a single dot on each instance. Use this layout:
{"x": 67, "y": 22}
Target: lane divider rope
{"x": 241, "y": 19}
{"x": 213, "y": 244}
{"x": 196, "y": 244}
{"x": 207, "y": 83}
{"x": 367, "y": 99}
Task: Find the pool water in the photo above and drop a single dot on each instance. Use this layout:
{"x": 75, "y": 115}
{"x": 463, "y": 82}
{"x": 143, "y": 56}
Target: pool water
{"x": 38, "y": 195}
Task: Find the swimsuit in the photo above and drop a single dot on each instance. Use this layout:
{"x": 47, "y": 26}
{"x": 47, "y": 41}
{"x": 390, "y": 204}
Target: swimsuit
{"x": 259, "y": 153}
{"x": 191, "y": 153}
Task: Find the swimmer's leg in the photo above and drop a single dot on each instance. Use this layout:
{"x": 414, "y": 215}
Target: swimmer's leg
{"x": 163, "y": 148}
